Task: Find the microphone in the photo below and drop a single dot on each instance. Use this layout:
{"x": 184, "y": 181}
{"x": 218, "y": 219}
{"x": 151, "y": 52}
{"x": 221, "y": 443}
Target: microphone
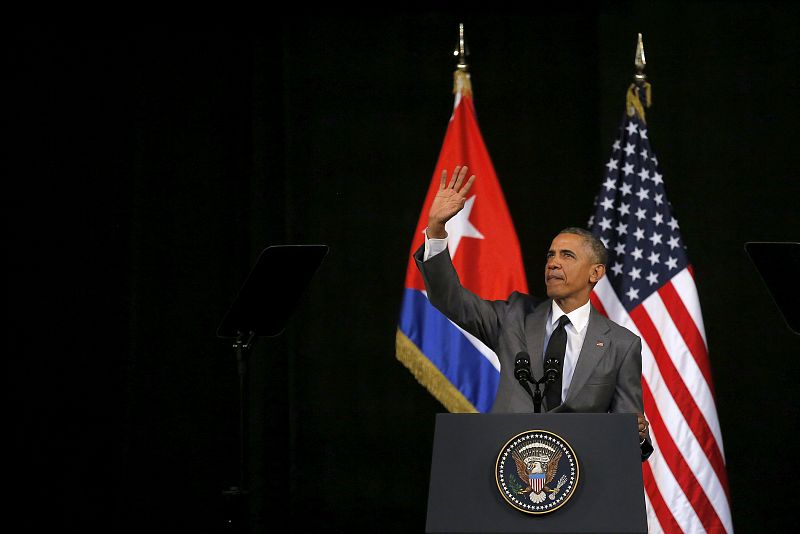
{"x": 522, "y": 368}
{"x": 522, "y": 372}
{"x": 551, "y": 370}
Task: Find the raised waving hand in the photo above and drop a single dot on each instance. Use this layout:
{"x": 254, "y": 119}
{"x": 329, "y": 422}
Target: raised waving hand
{"x": 449, "y": 200}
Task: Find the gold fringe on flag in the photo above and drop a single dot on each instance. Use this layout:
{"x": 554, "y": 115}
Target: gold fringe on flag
{"x": 633, "y": 103}
{"x": 461, "y": 83}
{"x": 429, "y": 376}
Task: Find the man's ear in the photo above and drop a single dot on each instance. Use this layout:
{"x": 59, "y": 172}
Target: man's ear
{"x": 597, "y": 272}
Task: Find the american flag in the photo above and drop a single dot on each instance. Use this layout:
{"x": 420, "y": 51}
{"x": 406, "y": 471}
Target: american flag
{"x": 650, "y": 289}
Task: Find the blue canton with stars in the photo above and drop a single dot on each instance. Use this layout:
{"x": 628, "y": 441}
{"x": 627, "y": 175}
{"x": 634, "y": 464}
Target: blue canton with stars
{"x": 634, "y": 219}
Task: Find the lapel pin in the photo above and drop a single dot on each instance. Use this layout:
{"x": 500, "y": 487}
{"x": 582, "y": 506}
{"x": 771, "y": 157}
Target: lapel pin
{"x": 599, "y": 343}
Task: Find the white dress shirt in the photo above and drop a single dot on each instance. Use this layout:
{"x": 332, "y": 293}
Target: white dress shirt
{"x": 433, "y": 246}
{"x": 576, "y": 333}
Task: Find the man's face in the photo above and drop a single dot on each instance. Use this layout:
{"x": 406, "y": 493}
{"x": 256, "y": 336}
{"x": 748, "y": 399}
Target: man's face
{"x": 570, "y": 270}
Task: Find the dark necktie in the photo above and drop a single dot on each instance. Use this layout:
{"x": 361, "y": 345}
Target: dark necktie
{"x": 556, "y": 348}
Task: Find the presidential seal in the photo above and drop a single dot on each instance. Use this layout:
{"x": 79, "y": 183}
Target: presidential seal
{"x": 536, "y": 472}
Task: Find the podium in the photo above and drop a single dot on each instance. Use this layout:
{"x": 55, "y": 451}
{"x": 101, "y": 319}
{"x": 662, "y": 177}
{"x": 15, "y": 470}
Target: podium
{"x": 465, "y": 496}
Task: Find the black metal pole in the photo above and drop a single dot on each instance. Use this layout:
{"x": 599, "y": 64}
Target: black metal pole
{"x": 235, "y": 513}
{"x": 537, "y": 397}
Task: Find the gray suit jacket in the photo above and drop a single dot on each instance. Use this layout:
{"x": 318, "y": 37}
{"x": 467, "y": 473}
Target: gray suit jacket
{"x": 607, "y": 376}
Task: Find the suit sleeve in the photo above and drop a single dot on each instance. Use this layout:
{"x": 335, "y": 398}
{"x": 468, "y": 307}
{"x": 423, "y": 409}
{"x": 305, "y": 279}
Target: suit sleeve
{"x": 479, "y": 317}
{"x": 628, "y": 393}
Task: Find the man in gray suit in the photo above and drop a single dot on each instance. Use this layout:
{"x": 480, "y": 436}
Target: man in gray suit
{"x": 602, "y": 361}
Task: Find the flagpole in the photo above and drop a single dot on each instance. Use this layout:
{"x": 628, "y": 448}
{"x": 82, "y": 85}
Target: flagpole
{"x": 462, "y": 86}
{"x": 461, "y": 50}
{"x": 639, "y": 62}
{"x": 633, "y": 102}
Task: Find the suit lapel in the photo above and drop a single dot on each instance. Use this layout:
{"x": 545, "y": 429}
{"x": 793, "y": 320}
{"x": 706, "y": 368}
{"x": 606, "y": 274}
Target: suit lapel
{"x": 535, "y": 324}
{"x": 594, "y": 346}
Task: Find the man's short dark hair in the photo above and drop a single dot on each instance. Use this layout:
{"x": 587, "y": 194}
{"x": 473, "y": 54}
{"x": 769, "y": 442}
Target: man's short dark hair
{"x": 598, "y": 248}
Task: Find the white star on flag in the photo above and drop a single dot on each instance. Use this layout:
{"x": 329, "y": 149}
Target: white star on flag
{"x": 672, "y": 263}
{"x": 459, "y": 226}
{"x": 627, "y": 169}
{"x": 655, "y": 238}
{"x": 673, "y": 242}
{"x": 658, "y": 178}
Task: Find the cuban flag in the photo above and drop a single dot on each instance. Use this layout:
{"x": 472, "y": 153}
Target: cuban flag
{"x": 455, "y": 367}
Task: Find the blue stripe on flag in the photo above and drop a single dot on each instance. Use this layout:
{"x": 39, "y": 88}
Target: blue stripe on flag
{"x": 449, "y": 350}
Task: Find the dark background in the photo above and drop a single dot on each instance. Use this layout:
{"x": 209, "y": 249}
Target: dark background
{"x": 148, "y": 166}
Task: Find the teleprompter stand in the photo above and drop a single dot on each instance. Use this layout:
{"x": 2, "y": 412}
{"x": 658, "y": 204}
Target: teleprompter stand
{"x": 263, "y": 306}
{"x": 778, "y": 263}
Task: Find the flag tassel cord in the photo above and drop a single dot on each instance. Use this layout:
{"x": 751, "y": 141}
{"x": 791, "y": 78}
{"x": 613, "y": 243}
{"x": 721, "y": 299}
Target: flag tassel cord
{"x": 430, "y": 376}
{"x": 633, "y": 99}
{"x": 461, "y": 83}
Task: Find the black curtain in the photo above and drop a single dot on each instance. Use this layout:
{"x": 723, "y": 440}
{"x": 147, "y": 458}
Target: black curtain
{"x": 150, "y": 166}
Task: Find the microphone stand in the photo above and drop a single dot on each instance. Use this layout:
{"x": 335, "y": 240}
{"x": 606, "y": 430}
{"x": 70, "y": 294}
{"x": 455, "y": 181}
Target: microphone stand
{"x": 523, "y": 374}
{"x": 550, "y": 375}
{"x": 536, "y": 395}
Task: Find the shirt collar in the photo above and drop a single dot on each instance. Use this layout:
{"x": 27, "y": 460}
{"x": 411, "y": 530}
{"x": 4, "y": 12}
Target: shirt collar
{"x": 579, "y": 317}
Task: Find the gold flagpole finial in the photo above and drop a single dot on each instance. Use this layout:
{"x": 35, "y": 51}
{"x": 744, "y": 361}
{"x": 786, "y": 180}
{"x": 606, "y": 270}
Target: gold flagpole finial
{"x": 461, "y": 82}
{"x": 461, "y": 51}
{"x": 633, "y": 100}
{"x": 639, "y": 62}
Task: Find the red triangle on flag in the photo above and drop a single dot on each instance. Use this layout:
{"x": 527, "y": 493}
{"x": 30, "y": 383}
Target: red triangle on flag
{"x": 482, "y": 239}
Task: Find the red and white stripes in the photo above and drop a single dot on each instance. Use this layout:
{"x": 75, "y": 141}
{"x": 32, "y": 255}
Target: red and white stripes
{"x": 685, "y": 481}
